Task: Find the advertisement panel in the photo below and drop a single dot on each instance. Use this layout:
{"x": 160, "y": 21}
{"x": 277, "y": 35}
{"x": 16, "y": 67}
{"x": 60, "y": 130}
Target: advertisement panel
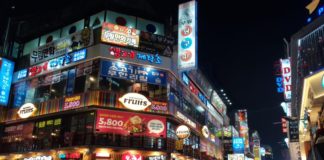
{"x": 241, "y": 116}
{"x": 57, "y": 63}
{"x": 6, "y": 72}
{"x": 130, "y": 72}
{"x": 235, "y": 157}
{"x": 109, "y": 121}
{"x": 286, "y": 76}
{"x": 119, "y": 35}
{"x": 62, "y": 46}
{"x": 187, "y": 34}
{"x": 238, "y": 145}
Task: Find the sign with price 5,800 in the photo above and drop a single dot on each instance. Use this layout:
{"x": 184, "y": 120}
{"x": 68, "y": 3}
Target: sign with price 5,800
{"x": 125, "y": 123}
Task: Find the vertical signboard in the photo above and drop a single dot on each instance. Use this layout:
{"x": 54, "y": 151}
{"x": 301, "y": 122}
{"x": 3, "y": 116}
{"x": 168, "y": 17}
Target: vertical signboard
{"x": 286, "y": 76}
{"x": 6, "y": 72}
{"x": 241, "y": 116}
{"x": 187, "y": 34}
{"x": 238, "y": 145}
{"x": 293, "y": 131}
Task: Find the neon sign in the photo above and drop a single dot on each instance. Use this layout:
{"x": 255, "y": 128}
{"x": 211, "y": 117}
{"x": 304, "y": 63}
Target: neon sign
{"x": 6, "y": 72}
{"x": 123, "y": 53}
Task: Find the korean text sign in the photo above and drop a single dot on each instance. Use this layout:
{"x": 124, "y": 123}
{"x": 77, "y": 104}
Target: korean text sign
{"x": 6, "y": 72}
{"x": 109, "y": 121}
{"x": 187, "y": 30}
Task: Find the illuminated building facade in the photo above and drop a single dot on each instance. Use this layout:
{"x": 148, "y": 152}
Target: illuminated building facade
{"x": 305, "y": 128}
{"x": 107, "y": 87}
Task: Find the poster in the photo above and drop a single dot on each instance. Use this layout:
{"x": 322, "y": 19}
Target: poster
{"x": 120, "y": 122}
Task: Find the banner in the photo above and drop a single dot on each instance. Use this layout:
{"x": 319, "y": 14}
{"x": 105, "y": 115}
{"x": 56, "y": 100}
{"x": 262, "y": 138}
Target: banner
{"x": 187, "y": 34}
{"x": 130, "y": 72}
{"x": 121, "y": 122}
{"x": 6, "y": 72}
{"x": 286, "y": 76}
{"x": 75, "y": 41}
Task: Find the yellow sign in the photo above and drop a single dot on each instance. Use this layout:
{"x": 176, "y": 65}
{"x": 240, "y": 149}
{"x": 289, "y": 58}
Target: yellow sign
{"x": 312, "y": 6}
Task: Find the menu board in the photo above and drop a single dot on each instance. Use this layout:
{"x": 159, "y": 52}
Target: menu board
{"x": 137, "y": 73}
{"x": 126, "y": 123}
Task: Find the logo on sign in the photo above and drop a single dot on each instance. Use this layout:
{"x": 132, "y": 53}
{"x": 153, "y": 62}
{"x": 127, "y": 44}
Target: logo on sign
{"x": 205, "y": 131}
{"x": 26, "y": 110}
{"x": 134, "y": 101}
{"x": 183, "y": 132}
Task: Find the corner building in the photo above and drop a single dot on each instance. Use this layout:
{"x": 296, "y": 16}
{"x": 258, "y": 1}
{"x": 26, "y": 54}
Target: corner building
{"x": 103, "y": 89}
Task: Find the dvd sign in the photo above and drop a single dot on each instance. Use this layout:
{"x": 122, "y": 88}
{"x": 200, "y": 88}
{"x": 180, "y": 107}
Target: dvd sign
{"x": 26, "y": 110}
{"x": 134, "y": 101}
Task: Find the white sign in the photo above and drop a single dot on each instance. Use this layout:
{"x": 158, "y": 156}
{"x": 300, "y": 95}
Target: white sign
{"x": 235, "y": 157}
{"x": 205, "y": 131}
{"x": 294, "y": 149}
{"x": 39, "y": 158}
{"x": 26, "y": 110}
{"x": 187, "y": 48}
{"x": 187, "y": 120}
{"x": 134, "y": 101}
{"x": 286, "y": 76}
{"x": 183, "y": 132}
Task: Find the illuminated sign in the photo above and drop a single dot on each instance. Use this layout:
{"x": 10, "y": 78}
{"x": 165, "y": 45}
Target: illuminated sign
{"x": 62, "y": 46}
{"x": 124, "y": 53}
{"x": 39, "y": 158}
{"x": 70, "y": 156}
{"x": 57, "y": 63}
{"x": 134, "y": 101}
{"x": 22, "y": 74}
{"x": 72, "y": 102}
{"x": 26, "y": 110}
{"x": 131, "y": 156}
{"x": 187, "y": 120}
{"x": 120, "y": 35}
{"x": 323, "y": 81}
{"x": 187, "y": 48}
{"x": 182, "y": 132}
{"x": 102, "y": 154}
{"x": 205, "y": 131}
{"x": 124, "y": 123}
{"x": 279, "y": 84}
{"x": 6, "y": 72}
{"x": 185, "y": 79}
{"x": 312, "y": 6}
{"x": 131, "y": 72}
{"x": 161, "y": 157}
{"x": 235, "y": 157}
{"x": 286, "y": 76}
{"x": 238, "y": 145}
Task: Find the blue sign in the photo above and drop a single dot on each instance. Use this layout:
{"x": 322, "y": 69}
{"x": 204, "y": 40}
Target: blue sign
{"x": 149, "y": 57}
{"x": 280, "y": 88}
{"x": 6, "y": 72}
{"x": 238, "y": 145}
{"x": 70, "y": 82}
{"x": 22, "y": 74}
{"x": 79, "y": 55}
{"x": 186, "y": 43}
{"x": 185, "y": 79}
{"x": 20, "y": 90}
{"x": 137, "y": 73}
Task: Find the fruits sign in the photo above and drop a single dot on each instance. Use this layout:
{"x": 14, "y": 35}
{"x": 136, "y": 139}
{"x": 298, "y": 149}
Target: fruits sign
{"x": 134, "y": 101}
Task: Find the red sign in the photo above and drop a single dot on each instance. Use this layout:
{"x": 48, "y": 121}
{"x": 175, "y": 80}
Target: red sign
{"x": 193, "y": 88}
{"x": 109, "y": 121}
{"x": 130, "y": 156}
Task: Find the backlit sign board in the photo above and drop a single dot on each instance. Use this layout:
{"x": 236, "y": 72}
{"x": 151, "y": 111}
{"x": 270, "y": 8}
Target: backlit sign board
{"x": 187, "y": 34}
{"x": 186, "y": 119}
{"x": 132, "y": 156}
{"x": 134, "y": 101}
{"x": 26, "y": 110}
{"x": 238, "y": 145}
{"x": 286, "y": 76}
{"x": 6, "y": 72}
{"x": 131, "y": 54}
{"x": 57, "y": 63}
{"x": 119, "y": 35}
{"x": 124, "y": 123}
{"x": 182, "y": 132}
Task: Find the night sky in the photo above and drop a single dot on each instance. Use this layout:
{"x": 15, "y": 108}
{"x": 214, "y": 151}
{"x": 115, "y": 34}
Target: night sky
{"x": 238, "y": 43}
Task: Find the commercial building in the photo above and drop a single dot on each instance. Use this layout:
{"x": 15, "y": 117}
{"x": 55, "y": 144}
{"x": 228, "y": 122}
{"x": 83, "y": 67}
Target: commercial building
{"x": 108, "y": 87}
{"x": 307, "y": 61}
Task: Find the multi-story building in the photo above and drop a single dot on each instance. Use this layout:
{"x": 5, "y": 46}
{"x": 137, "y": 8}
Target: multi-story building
{"x": 307, "y": 62}
{"x": 107, "y": 87}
